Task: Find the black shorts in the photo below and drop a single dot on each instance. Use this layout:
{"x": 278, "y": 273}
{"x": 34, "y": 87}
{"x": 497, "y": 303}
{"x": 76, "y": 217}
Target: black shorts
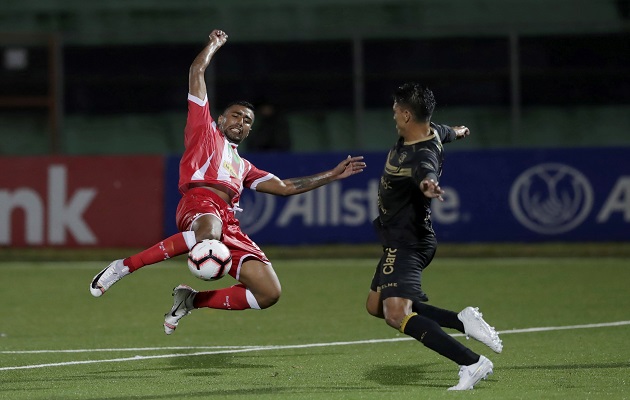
{"x": 399, "y": 272}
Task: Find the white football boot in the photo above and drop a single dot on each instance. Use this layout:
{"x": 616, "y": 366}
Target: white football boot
{"x": 107, "y": 277}
{"x": 470, "y": 375}
{"x": 183, "y": 297}
{"x": 475, "y": 327}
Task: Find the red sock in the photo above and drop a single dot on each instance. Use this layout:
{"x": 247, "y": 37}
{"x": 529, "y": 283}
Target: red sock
{"x": 167, "y": 248}
{"x": 231, "y": 298}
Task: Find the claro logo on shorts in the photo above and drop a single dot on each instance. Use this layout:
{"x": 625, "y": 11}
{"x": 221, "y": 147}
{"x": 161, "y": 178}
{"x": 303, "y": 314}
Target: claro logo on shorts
{"x": 551, "y": 198}
{"x": 390, "y": 260}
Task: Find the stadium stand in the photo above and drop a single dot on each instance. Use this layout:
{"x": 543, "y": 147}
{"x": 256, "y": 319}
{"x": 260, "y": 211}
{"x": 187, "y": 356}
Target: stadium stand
{"x": 125, "y": 63}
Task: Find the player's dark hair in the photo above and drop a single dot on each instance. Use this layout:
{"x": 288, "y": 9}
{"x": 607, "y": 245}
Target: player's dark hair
{"x": 419, "y": 99}
{"x": 240, "y": 103}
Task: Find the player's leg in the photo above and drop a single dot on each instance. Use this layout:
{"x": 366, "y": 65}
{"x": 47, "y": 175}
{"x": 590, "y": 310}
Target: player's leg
{"x": 198, "y": 218}
{"x": 473, "y": 367}
{"x": 469, "y": 321}
{"x": 392, "y": 264}
{"x": 261, "y": 281}
{"x": 172, "y": 246}
{"x": 444, "y": 318}
{"x": 193, "y": 210}
{"x": 259, "y": 286}
{"x": 399, "y": 280}
{"x": 374, "y": 305}
{"x": 206, "y": 226}
{"x": 259, "y": 289}
{"x": 398, "y": 315}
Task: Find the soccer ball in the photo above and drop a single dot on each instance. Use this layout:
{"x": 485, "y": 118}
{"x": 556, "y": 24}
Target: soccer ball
{"x": 209, "y": 260}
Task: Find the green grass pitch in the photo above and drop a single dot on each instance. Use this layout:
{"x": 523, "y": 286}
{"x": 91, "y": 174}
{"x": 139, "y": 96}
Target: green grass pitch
{"x": 565, "y": 324}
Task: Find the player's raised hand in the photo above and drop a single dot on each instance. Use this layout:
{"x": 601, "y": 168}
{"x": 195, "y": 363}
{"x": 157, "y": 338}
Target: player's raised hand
{"x": 461, "y": 131}
{"x": 218, "y": 37}
{"x": 349, "y": 166}
{"x": 431, "y": 189}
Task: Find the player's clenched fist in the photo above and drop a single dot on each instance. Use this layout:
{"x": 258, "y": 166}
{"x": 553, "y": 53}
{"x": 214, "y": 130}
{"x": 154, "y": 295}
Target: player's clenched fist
{"x": 218, "y": 37}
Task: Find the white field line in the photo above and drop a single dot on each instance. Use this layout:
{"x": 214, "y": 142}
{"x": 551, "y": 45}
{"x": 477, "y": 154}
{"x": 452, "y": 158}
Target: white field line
{"x": 243, "y": 349}
{"x": 126, "y": 349}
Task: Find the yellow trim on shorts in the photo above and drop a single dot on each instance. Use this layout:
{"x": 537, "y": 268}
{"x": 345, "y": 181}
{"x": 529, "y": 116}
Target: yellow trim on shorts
{"x": 403, "y": 324}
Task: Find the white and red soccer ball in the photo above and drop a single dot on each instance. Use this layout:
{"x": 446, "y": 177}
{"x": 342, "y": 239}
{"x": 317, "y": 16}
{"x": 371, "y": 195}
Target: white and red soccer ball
{"x": 209, "y": 260}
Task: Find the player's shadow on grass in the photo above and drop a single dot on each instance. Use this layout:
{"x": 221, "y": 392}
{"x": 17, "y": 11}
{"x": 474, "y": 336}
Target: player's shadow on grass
{"x": 259, "y": 391}
{"x": 425, "y": 374}
{"x": 194, "y": 365}
{"x": 214, "y": 362}
{"x": 211, "y": 367}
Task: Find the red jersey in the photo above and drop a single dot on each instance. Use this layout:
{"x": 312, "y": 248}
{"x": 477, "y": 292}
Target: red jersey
{"x": 211, "y": 158}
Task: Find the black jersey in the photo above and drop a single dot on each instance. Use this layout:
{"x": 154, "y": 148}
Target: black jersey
{"x": 404, "y": 211}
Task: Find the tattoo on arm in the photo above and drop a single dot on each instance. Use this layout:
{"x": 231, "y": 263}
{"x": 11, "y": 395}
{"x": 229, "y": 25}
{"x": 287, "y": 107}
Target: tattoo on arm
{"x": 306, "y": 183}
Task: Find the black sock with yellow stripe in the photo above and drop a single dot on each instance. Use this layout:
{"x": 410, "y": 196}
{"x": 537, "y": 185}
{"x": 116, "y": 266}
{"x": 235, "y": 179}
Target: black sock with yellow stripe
{"x": 429, "y": 333}
{"x": 444, "y": 318}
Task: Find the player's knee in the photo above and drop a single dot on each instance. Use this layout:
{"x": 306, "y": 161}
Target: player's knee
{"x": 207, "y": 227}
{"x": 269, "y": 298}
{"x": 207, "y": 233}
{"x": 393, "y": 322}
{"x": 394, "y": 318}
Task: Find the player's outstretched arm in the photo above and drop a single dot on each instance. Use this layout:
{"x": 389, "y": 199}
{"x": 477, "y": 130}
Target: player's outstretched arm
{"x": 291, "y": 186}
{"x": 461, "y": 132}
{"x": 431, "y": 189}
{"x": 196, "y": 74}
{"x": 450, "y": 133}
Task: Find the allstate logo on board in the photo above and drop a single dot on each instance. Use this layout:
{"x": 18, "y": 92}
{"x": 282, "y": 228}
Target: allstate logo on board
{"x": 551, "y": 198}
{"x": 258, "y": 210}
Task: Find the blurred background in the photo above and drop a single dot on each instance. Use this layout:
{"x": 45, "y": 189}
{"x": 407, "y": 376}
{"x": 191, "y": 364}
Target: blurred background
{"x": 544, "y": 85}
{"x": 90, "y": 77}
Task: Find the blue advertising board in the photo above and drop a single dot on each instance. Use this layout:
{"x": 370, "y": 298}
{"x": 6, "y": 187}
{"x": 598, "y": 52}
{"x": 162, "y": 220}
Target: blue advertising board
{"x": 524, "y": 195}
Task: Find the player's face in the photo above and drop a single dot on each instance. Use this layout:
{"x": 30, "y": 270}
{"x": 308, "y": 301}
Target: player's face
{"x": 236, "y": 122}
{"x": 400, "y": 117}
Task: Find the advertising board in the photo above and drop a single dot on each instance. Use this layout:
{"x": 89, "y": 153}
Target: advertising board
{"x": 525, "y": 195}
{"x": 81, "y": 201}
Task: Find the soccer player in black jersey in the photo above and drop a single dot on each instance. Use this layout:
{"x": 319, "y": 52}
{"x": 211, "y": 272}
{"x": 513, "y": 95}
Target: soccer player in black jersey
{"x": 409, "y": 182}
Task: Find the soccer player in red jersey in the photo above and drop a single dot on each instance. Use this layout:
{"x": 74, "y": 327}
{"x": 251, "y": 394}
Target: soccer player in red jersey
{"x": 212, "y": 176}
